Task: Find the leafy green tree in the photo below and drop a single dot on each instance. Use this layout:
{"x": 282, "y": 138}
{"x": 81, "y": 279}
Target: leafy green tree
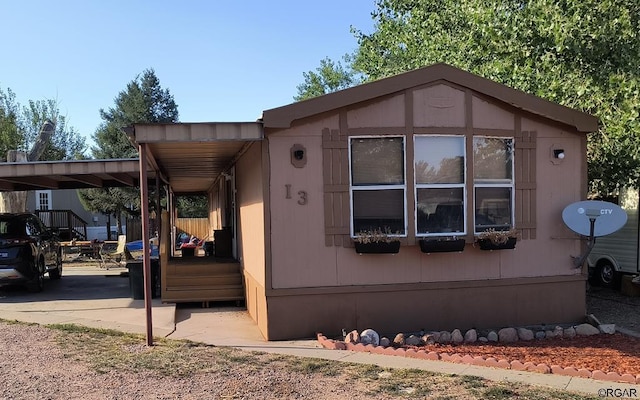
{"x": 192, "y": 206}
{"x": 143, "y": 101}
{"x": 583, "y": 54}
{"x": 20, "y": 126}
{"x": 328, "y": 77}
{"x": 10, "y": 134}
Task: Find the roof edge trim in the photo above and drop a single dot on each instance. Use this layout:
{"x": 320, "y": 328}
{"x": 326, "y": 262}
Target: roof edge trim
{"x": 283, "y": 117}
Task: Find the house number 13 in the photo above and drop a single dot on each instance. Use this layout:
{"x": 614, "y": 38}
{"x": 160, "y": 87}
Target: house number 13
{"x": 302, "y": 195}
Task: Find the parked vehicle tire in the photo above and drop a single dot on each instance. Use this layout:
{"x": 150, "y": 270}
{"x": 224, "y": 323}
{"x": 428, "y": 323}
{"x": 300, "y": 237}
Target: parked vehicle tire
{"x": 57, "y": 272}
{"x": 606, "y": 275}
{"x": 37, "y": 283}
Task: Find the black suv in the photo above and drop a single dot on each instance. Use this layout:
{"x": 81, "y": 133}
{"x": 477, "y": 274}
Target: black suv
{"x": 28, "y": 250}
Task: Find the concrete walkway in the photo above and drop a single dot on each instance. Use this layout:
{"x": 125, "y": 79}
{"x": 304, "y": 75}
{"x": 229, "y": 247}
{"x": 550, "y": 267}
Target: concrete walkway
{"x": 100, "y": 298}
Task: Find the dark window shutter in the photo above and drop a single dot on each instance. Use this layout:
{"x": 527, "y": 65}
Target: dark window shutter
{"x": 525, "y": 182}
{"x": 335, "y": 165}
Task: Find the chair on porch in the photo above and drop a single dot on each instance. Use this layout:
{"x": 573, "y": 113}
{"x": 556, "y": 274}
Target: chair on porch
{"x": 121, "y": 252}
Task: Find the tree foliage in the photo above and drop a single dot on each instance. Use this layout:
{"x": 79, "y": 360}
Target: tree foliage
{"x": 328, "y": 77}
{"x": 20, "y": 126}
{"x": 192, "y": 206}
{"x": 582, "y": 54}
{"x": 143, "y": 101}
{"x": 10, "y": 134}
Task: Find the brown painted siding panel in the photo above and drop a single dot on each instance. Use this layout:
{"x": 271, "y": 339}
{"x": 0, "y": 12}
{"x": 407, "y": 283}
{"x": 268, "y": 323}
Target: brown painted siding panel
{"x": 485, "y": 305}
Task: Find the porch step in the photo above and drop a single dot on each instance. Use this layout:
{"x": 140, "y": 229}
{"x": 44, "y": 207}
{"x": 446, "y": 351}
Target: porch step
{"x": 198, "y": 279}
{"x": 200, "y": 269}
{"x": 183, "y": 294}
{"x": 204, "y": 280}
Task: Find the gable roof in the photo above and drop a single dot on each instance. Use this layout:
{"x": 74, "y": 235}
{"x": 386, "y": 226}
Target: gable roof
{"x": 283, "y": 117}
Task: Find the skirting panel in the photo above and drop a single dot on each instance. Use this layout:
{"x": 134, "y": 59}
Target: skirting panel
{"x": 389, "y": 312}
{"x": 256, "y": 303}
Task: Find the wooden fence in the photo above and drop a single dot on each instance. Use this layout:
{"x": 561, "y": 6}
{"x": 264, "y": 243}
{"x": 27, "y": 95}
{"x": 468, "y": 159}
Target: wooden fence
{"x": 198, "y": 227}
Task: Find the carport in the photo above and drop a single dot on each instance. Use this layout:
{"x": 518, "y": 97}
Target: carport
{"x": 186, "y": 158}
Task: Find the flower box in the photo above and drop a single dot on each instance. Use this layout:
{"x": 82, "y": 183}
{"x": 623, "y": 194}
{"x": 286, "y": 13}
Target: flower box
{"x": 441, "y": 245}
{"x": 488, "y": 244}
{"x": 378, "y": 247}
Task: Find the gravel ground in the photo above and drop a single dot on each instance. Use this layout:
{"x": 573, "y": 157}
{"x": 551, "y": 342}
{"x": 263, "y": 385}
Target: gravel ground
{"x": 612, "y": 307}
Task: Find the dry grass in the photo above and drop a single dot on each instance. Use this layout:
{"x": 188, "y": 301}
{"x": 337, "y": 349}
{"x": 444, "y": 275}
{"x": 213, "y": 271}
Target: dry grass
{"x": 107, "y": 350}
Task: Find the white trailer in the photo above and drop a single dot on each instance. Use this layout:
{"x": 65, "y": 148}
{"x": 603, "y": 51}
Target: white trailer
{"x": 617, "y": 254}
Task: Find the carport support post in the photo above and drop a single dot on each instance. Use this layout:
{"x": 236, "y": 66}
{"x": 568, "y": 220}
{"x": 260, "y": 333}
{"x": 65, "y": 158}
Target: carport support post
{"x": 146, "y": 259}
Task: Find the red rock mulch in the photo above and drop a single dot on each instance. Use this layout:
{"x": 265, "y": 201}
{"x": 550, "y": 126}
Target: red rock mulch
{"x": 604, "y": 357}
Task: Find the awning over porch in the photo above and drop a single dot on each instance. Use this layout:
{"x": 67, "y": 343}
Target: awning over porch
{"x": 191, "y": 156}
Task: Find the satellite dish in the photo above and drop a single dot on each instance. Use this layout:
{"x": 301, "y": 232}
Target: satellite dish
{"x": 593, "y": 219}
{"x": 607, "y": 217}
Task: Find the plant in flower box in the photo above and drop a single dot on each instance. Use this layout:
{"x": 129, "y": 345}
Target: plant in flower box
{"x": 376, "y": 241}
{"x": 493, "y": 239}
{"x": 442, "y": 244}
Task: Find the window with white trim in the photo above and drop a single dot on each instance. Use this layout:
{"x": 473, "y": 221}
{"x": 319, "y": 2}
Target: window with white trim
{"x": 439, "y": 165}
{"x": 493, "y": 183}
{"x": 43, "y": 199}
{"x": 378, "y": 189}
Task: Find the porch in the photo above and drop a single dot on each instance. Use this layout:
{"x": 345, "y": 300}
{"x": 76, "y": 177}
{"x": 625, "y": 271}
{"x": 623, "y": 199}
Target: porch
{"x": 201, "y": 279}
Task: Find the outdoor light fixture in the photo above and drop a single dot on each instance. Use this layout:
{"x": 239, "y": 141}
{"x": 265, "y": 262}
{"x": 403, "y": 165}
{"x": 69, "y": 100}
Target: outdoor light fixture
{"x": 558, "y": 153}
{"x": 298, "y": 155}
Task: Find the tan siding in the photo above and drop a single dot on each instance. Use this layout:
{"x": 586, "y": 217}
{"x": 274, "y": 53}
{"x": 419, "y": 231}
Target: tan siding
{"x": 299, "y": 256}
{"x": 251, "y": 213}
{"x": 382, "y": 113}
{"x": 438, "y": 106}
{"x": 489, "y": 116}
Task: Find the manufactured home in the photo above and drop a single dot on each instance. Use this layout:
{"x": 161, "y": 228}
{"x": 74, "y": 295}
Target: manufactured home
{"x": 435, "y": 154}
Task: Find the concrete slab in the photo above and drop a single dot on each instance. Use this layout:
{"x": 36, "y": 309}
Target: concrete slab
{"x": 90, "y": 296}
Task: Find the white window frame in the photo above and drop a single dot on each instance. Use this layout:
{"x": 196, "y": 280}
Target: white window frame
{"x": 47, "y": 194}
{"x": 353, "y": 188}
{"x": 462, "y": 185}
{"x": 511, "y": 185}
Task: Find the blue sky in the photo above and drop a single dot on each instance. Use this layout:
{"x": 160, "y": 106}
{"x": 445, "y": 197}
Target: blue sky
{"x": 224, "y": 60}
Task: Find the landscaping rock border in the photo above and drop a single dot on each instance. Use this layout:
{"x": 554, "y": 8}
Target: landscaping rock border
{"x": 504, "y": 335}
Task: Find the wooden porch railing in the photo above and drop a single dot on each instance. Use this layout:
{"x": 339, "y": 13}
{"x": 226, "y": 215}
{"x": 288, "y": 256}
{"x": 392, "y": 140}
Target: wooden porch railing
{"x": 68, "y": 223}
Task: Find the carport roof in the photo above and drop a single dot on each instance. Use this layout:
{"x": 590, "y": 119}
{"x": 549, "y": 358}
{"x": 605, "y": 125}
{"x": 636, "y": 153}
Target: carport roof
{"x": 188, "y": 156}
{"x": 82, "y": 174}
